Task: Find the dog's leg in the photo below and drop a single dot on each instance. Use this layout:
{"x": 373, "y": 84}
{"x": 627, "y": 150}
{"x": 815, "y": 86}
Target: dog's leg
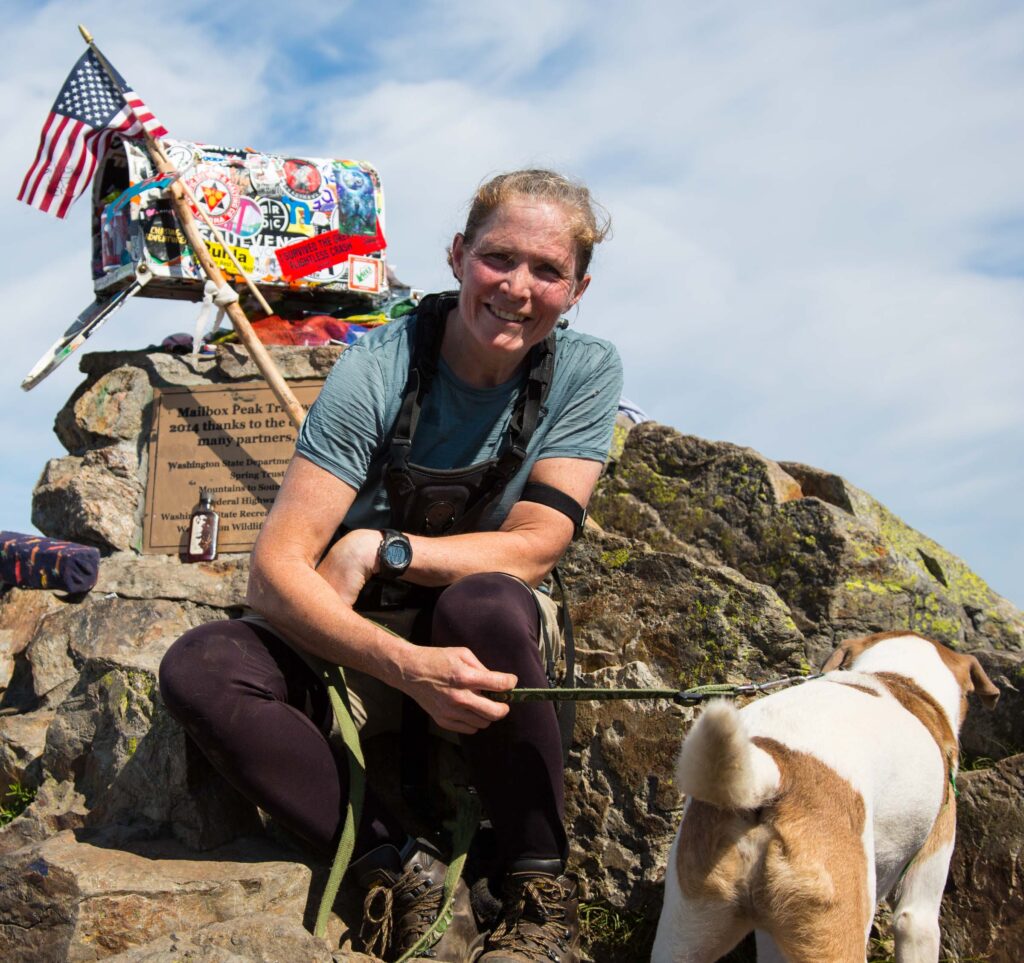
{"x": 916, "y": 912}
{"x": 694, "y": 930}
{"x": 697, "y": 931}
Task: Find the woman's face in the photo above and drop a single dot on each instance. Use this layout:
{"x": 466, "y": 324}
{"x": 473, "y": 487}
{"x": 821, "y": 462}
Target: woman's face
{"x": 518, "y": 276}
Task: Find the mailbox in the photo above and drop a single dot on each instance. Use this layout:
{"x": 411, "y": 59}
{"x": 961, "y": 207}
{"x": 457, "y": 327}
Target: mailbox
{"x": 311, "y": 228}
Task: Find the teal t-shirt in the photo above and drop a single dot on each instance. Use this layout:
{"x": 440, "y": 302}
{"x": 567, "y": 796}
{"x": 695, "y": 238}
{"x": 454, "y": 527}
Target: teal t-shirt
{"x": 347, "y": 429}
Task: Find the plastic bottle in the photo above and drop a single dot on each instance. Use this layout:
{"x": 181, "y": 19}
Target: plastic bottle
{"x": 202, "y": 530}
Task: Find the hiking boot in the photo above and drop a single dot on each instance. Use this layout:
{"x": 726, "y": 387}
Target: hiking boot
{"x": 404, "y": 898}
{"x": 540, "y": 921}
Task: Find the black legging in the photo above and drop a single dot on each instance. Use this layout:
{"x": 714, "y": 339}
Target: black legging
{"x": 261, "y": 716}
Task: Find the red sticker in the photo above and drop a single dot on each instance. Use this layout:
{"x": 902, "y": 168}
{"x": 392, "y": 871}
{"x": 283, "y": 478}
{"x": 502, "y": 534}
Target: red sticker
{"x": 323, "y": 251}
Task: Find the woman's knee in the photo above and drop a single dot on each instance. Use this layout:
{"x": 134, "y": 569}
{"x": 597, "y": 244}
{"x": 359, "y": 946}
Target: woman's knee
{"x": 493, "y": 614}
{"x": 201, "y": 664}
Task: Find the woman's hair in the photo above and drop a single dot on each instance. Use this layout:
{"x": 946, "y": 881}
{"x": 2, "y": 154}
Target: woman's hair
{"x": 590, "y": 223}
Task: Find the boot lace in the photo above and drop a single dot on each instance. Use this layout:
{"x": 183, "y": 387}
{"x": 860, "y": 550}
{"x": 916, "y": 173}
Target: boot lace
{"x": 399, "y": 913}
{"x": 534, "y": 924}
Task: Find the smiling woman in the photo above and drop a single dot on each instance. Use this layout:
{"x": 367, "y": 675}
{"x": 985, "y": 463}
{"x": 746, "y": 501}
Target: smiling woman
{"x": 437, "y": 480}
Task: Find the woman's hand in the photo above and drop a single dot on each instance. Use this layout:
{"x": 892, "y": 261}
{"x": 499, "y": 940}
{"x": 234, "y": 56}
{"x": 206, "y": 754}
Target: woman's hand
{"x": 350, "y": 563}
{"x": 446, "y": 682}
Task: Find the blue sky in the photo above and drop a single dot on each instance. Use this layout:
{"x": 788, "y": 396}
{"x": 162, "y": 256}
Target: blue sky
{"x": 818, "y": 208}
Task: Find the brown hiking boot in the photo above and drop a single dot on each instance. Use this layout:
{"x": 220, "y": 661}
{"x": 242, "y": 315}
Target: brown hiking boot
{"x": 540, "y": 921}
{"x": 404, "y": 899}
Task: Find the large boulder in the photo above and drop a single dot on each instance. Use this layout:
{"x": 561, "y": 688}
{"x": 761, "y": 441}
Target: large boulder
{"x": 842, "y": 562}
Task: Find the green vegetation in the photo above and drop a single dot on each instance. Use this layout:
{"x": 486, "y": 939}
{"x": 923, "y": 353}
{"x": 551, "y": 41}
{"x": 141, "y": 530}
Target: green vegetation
{"x": 616, "y": 558}
{"x": 615, "y": 933}
{"x": 15, "y": 801}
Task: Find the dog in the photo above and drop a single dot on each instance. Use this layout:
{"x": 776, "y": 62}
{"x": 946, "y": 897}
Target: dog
{"x": 808, "y": 806}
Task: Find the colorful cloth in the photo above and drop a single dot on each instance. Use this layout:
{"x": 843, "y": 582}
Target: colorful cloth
{"x": 35, "y": 562}
{"x": 89, "y": 110}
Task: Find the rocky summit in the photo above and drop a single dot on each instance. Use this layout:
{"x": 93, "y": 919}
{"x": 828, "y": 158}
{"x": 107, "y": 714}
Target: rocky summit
{"x": 704, "y": 562}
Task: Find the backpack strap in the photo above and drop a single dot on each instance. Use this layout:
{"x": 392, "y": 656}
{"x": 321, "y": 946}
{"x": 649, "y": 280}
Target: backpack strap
{"x": 566, "y": 710}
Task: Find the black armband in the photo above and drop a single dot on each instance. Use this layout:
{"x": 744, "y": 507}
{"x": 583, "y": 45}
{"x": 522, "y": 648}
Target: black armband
{"x": 553, "y": 498}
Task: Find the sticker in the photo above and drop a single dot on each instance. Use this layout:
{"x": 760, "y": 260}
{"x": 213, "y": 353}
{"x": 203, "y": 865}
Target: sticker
{"x": 365, "y": 274}
{"x": 357, "y": 211}
{"x": 242, "y": 254}
{"x": 301, "y": 178}
{"x": 323, "y": 251}
{"x": 215, "y": 198}
{"x": 165, "y": 241}
{"x": 264, "y": 175}
{"x": 246, "y": 220}
{"x": 275, "y": 215}
{"x": 182, "y": 156}
{"x": 326, "y": 201}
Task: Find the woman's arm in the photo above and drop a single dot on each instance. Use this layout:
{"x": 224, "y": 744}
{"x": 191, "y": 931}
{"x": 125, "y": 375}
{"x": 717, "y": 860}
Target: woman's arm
{"x": 529, "y": 543}
{"x": 313, "y": 609}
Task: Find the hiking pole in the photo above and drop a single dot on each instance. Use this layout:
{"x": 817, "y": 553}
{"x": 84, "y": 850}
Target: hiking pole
{"x": 183, "y": 202}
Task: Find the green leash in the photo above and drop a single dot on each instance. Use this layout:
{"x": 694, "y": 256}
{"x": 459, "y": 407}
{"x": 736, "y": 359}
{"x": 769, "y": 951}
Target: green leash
{"x": 686, "y": 697}
{"x": 334, "y": 676}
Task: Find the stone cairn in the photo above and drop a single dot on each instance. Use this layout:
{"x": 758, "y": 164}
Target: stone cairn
{"x": 704, "y": 562}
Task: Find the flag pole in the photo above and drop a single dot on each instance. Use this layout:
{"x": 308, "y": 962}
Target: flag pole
{"x": 183, "y": 201}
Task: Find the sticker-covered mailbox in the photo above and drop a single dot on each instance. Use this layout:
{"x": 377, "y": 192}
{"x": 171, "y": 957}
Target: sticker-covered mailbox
{"x": 299, "y": 225}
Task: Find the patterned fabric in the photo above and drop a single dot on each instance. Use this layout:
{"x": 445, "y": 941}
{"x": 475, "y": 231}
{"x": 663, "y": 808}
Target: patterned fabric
{"x": 32, "y": 561}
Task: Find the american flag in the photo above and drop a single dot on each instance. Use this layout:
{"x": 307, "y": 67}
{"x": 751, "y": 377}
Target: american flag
{"x": 89, "y": 110}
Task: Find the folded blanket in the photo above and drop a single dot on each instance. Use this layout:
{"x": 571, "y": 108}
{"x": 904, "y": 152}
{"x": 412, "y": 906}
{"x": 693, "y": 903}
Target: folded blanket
{"x": 32, "y": 561}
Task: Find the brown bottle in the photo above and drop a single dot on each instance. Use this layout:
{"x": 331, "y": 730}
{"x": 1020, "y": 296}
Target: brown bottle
{"x": 202, "y": 530}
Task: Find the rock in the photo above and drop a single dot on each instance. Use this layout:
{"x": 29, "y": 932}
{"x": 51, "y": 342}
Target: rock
{"x": 219, "y": 583}
{"x": 20, "y": 615}
{"x": 22, "y": 738}
{"x": 621, "y": 805}
{"x": 72, "y": 900}
{"x": 132, "y": 632}
{"x": 233, "y": 361}
{"x": 132, "y": 766}
{"x": 56, "y": 807}
{"x": 112, "y": 408}
{"x": 267, "y": 939}
{"x": 841, "y": 562}
{"x": 983, "y": 909}
{"x": 83, "y": 502}
{"x": 990, "y": 734}
{"x": 694, "y": 623}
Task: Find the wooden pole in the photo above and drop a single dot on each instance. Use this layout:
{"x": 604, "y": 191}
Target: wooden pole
{"x": 183, "y": 210}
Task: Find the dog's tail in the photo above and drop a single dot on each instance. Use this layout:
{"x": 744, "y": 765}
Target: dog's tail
{"x": 720, "y": 765}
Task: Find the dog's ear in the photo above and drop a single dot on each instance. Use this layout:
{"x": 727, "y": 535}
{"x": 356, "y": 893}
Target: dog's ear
{"x": 982, "y": 685}
{"x": 840, "y": 658}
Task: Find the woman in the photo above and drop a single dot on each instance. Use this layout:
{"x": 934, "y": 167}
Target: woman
{"x": 454, "y": 452}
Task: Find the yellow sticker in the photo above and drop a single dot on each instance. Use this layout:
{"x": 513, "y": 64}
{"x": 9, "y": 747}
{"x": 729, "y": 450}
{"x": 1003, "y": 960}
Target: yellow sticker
{"x": 243, "y": 256}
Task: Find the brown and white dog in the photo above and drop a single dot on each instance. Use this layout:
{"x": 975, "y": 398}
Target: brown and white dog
{"x": 807, "y": 807}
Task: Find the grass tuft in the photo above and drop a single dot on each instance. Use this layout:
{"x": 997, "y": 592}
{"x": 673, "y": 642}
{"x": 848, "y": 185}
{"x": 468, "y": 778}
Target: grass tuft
{"x": 15, "y": 801}
{"x": 614, "y": 934}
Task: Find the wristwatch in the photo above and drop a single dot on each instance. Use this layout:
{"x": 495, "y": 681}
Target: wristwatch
{"x": 395, "y": 553}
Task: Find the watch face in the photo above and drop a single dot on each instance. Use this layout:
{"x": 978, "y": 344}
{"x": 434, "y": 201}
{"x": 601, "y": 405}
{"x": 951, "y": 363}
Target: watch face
{"x": 396, "y": 554}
